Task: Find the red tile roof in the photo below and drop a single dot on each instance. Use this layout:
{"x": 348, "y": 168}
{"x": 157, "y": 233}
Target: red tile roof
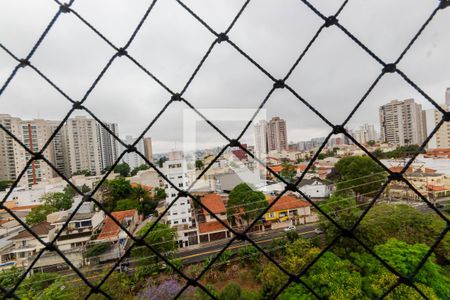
{"x": 146, "y": 187}
{"x": 110, "y": 228}
{"x": 287, "y": 202}
{"x": 302, "y": 167}
{"x": 436, "y": 188}
{"x": 277, "y": 169}
{"x": 214, "y": 203}
{"x": 41, "y": 228}
{"x": 211, "y": 227}
{"x": 398, "y": 169}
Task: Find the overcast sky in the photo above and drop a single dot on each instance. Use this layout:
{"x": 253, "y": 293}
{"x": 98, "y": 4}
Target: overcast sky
{"x": 332, "y": 76}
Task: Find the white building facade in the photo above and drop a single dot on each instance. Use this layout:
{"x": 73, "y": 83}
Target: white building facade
{"x": 133, "y": 159}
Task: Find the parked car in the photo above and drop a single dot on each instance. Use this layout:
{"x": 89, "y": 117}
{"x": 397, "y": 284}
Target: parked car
{"x": 318, "y": 231}
{"x": 289, "y": 228}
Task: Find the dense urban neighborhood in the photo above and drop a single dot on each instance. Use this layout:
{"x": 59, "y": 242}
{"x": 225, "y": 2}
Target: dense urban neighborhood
{"x": 226, "y": 150}
{"x": 286, "y": 197}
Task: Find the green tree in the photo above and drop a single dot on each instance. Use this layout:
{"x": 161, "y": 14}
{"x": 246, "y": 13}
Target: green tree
{"x": 117, "y": 286}
{"x": 140, "y": 168}
{"x": 5, "y": 184}
{"x": 232, "y": 291}
{"x": 405, "y": 258}
{"x": 126, "y": 204}
{"x": 58, "y": 200}
{"x": 122, "y": 169}
{"x": 51, "y": 202}
{"x": 82, "y": 172}
{"x": 10, "y": 277}
{"x": 160, "y": 193}
{"x": 85, "y": 189}
{"x": 162, "y": 238}
{"x": 404, "y": 223}
{"x": 292, "y": 235}
{"x": 161, "y": 161}
{"x": 297, "y": 255}
{"x": 244, "y": 204}
{"x": 115, "y": 190}
{"x": 371, "y": 143}
{"x": 69, "y": 191}
{"x": 34, "y": 285}
{"x": 39, "y": 214}
{"x": 199, "y": 164}
{"x": 378, "y": 153}
{"x": 288, "y": 172}
{"x": 359, "y": 174}
{"x": 97, "y": 249}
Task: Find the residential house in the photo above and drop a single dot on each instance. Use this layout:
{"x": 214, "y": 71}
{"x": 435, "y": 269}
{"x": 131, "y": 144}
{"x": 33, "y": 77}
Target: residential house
{"x": 315, "y": 189}
{"x": 112, "y": 233}
{"x": 427, "y": 181}
{"x": 209, "y": 228}
{"x": 287, "y": 210}
{"x": 80, "y": 227}
{"x": 24, "y": 245}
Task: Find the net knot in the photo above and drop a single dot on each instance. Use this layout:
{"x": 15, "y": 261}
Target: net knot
{"x": 330, "y": 21}
{"x": 389, "y": 68}
{"x": 222, "y": 37}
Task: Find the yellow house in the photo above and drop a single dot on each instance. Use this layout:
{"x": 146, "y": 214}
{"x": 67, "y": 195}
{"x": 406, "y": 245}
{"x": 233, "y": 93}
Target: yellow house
{"x": 288, "y": 208}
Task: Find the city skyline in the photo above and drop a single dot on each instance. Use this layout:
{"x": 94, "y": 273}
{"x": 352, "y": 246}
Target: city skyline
{"x": 339, "y": 79}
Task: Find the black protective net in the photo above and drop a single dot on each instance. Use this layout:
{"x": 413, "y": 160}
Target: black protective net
{"x": 219, "y": 38}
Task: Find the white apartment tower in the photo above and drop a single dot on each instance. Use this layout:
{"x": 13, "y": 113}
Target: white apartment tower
{"x": 83, "y": 145}
{"x": 34, "y": 134}
{"x": 277, "y": 135}
{"x": 441, "y": 139}
{"x": 365, "y": 133}
{"x": 402, "y": 123}
{"x": 133, "y": 159}
{"x": 8, "y": 147}
{"x": 260, "y": 131}
{"x": 109, "y": 150}
{"x": 175, "y": 169}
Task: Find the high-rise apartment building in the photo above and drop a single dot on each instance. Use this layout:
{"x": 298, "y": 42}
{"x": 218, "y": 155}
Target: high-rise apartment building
{"x": 8, "y": 147}
{"x": 83, "y": 145}
{"x": 79, "y": 145}
{"x": 365, "y": 133}
{"x": 277, "y": 135}
{"x": 133, "y": 159}
{"x": 260, "y": 134}
{"x": 270, "y": 136}
{"x": 148, "y": 148}
{"x": 175, "y": 169}
{"x": 59, "y": 149}
{"x": 34, "y": 134}
{"x": 402, "y": 123}
{"x": 441, "y": 139}
{"x": 109, "y": 146}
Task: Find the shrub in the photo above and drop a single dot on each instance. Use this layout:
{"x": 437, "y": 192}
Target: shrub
{"x": 97, "y": 249}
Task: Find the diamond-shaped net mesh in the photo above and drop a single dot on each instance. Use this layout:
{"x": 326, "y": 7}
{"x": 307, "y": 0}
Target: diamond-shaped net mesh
{"x": 218, "y": 38}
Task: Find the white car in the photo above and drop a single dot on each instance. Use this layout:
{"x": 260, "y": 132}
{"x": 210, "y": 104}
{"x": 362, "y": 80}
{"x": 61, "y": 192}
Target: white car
{"x": 318, "y": 231}
{"x": 289, "y": 228}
